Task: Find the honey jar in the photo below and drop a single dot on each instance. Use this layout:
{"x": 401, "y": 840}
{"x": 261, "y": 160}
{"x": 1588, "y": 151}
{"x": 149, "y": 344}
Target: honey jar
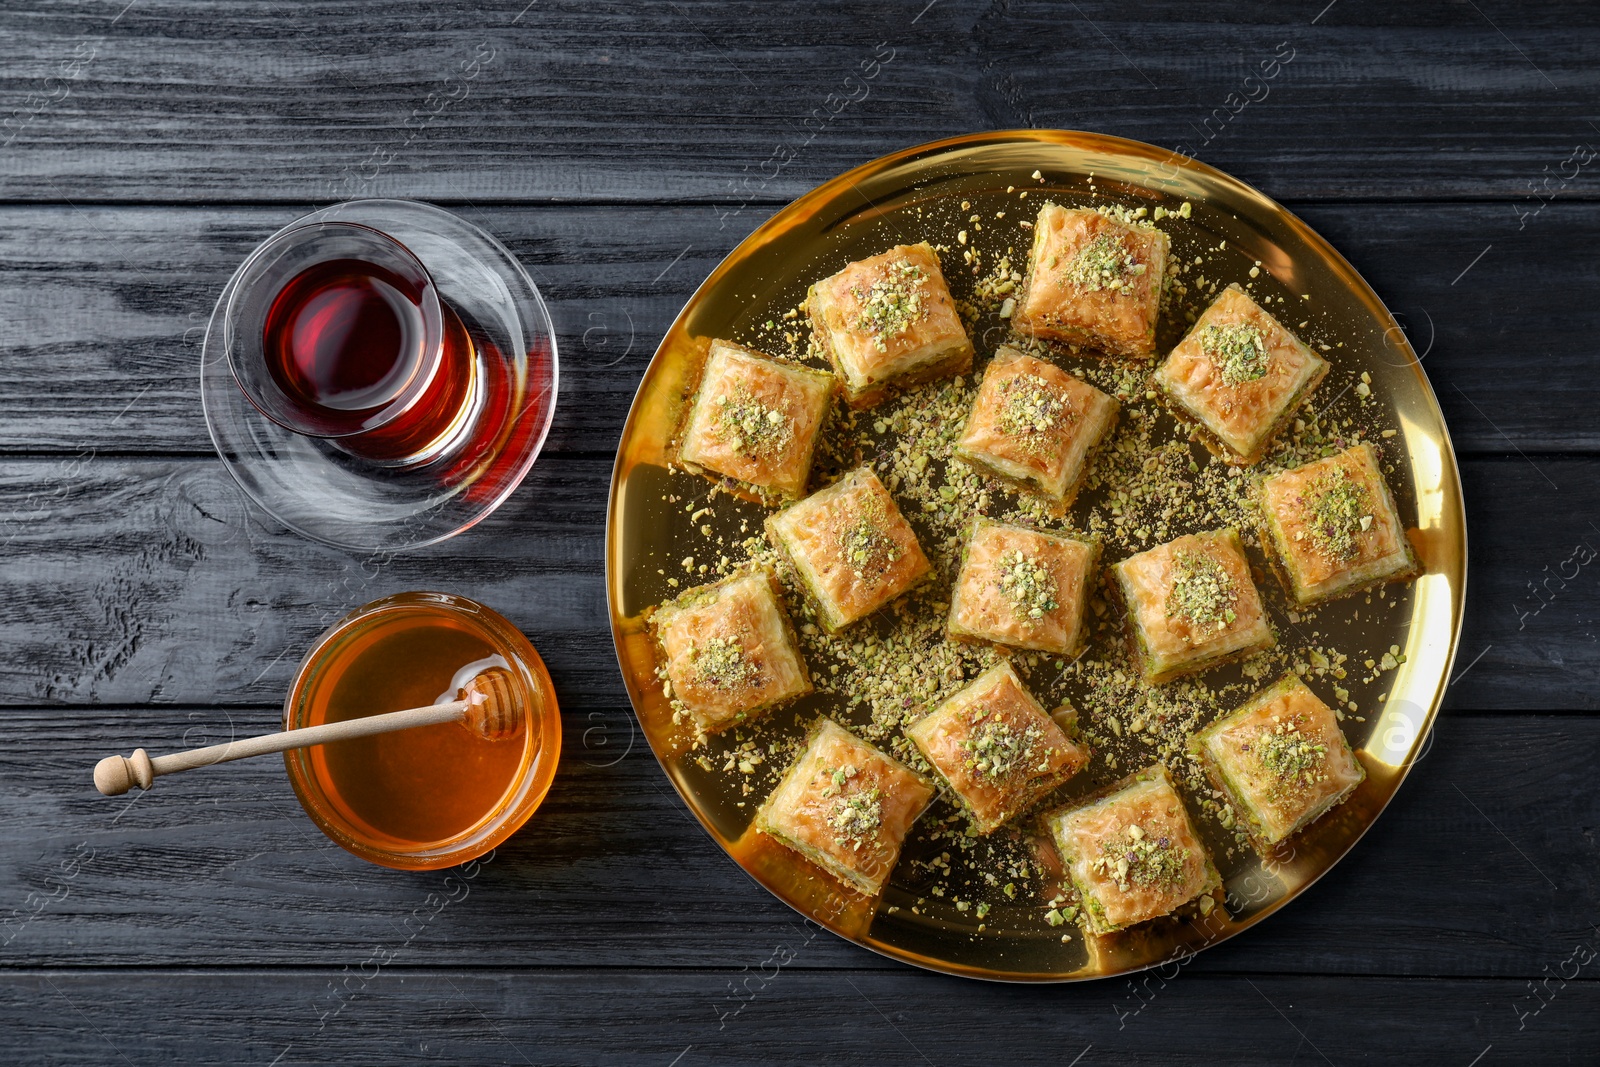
{"x": 434, "y": 796}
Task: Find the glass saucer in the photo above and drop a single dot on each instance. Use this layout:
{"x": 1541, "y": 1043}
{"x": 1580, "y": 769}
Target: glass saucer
{"x": 328, "y": 495}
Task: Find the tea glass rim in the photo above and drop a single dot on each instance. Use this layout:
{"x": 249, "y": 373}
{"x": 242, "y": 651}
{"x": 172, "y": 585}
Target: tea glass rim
{"x": 276, "y": 405}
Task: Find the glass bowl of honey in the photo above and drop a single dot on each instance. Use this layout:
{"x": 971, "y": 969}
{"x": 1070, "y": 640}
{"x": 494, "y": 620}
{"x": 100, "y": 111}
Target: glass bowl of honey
{"x": 431, "y": 796}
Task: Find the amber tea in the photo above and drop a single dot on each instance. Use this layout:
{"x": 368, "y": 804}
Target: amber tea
{"x": 337, "y": 331}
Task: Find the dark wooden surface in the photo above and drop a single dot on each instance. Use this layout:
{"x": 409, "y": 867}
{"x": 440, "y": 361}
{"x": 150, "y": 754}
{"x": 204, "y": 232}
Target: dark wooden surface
{"x": 619, "y": 149}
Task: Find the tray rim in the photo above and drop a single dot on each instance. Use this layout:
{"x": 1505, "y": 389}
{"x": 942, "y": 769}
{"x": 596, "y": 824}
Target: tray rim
{"x": 1122, "y": 146}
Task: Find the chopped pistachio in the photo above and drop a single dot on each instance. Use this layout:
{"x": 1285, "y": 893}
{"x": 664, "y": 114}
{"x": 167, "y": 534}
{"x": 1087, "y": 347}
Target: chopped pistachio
{"x": 721, "y": 663}
{"x": 1202, "y": 592}
{"x": 754, "y": 428}
{"x": 995, "y": 748}
{"x": 1103, "y": 263}
{"x": 856, "y": 817}
{"x": 867, "y": 549}
{"x": 1031, "y": 407}
{"x": 892, "y": 303}
{"x": 1293, "y": 761}
{"x": 1027, "y": 584}
{"x": 1143, "y": 861}
{"x": 1238, "y": 351}
{"x": 1338, "y": 506}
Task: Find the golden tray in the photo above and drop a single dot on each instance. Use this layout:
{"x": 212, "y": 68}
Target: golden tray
{"x": 874, "y": 206}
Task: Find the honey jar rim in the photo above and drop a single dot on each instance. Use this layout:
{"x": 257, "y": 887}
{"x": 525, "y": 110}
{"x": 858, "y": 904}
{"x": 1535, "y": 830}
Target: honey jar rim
{"x": 524, "y": 792}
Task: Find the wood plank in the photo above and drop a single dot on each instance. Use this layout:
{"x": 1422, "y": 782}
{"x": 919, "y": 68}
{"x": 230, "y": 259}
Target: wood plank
{"x": 102, "y": 311}
{"x": 624, "y": 151}
{"x": 1533, "y": 614}
{"x": 222, "y": 866}
{"x": 137, "y": 581}
{"x": 849, "y": 1018}
{"x": 694, "y": 99}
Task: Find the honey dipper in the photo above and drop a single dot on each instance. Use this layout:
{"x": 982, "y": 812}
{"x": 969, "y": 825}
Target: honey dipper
{"x": 486, "y": 705}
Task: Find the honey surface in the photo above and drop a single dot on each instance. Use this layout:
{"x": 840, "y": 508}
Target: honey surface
{"x": 409, "y": 787}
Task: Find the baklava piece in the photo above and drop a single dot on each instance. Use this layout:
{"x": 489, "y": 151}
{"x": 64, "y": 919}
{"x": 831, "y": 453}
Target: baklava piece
{"x": 846, "y": 807}
{"x": 755, "y": 421}
{"x": 1132, "y": 855}
{"x": 851, "y": 548}
{"x": 1022, "y": 588}
{"x": 728, "y": 652}
{"x": 1093, "y": 281}
{"x": 996, "y": 748}
{"x": 1192, "y": 605}
{"x": 1238, "y": 377}
{"x": 889, "y": 322}
{"x": 1034, "y": 425}
{"x": 1281, "y": 759}
{"x": 1332, "y": 528}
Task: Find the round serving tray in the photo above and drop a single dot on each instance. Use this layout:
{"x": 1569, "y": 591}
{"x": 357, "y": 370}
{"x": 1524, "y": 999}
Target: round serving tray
{"x": 914, "y": 195}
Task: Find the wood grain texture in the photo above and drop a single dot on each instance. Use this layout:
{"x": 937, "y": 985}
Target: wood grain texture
{"x": 854, "y": 1018}
{"x": 222, "y": 866}
{"x": 135, "y": 580}
{"x": 691, "y": 99}
{"x": 102, "y": 312}
{"x": 621, "y": 150}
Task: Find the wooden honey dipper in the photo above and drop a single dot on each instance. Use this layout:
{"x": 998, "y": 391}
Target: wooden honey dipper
{"x": 486, "y": 705}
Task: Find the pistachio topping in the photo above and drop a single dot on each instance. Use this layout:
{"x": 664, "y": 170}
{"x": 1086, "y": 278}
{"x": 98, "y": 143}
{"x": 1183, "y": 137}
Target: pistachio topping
{"x": 721, "y": 663}
{"x": 1293, "y": 760}
{"x": 995, "y": 748}
{"x": 1340, "y": 512}
{"x": 892, "y": 303}
{"x": 837, "y": 776}
{"x": 1202, "y": 592}
{"x": 854, "y": 817}
{"x": 867, "y": 549}
{"x": 1142, "y": 859}
{"x": 1030, "y": 409}
{"x": 1103, "y": 263}
{"x": 754, "y": 428}
{"x": 1237, "y": 350}
{"x": 1027, "y": 583}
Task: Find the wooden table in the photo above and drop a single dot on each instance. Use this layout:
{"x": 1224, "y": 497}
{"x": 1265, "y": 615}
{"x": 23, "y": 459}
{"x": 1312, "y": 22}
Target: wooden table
{"x": 1448, "y": 149}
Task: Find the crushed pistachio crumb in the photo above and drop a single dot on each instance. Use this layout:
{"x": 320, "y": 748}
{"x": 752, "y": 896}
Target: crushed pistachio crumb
{"x": 867, "y": 549}
{"x": 1027, "y": 583}
{"x": 892, "y": 303}
{"x": 1103, "y": 263}
{"x": 1202, "y": 592}
{"x": 1238, "y": 351}
{"x": 1141, "y": 859}
{"x": 837, "y": 776}
{"x": 856, "y": 816}
{"x": 1340, "y": 511}
{"x": 755, "y": 428}
{"x": 1291, "y": 759}
{"x": 721, "y": 663}
{"x": 1030, "y": 409}
{"x": 995, "y": 748}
